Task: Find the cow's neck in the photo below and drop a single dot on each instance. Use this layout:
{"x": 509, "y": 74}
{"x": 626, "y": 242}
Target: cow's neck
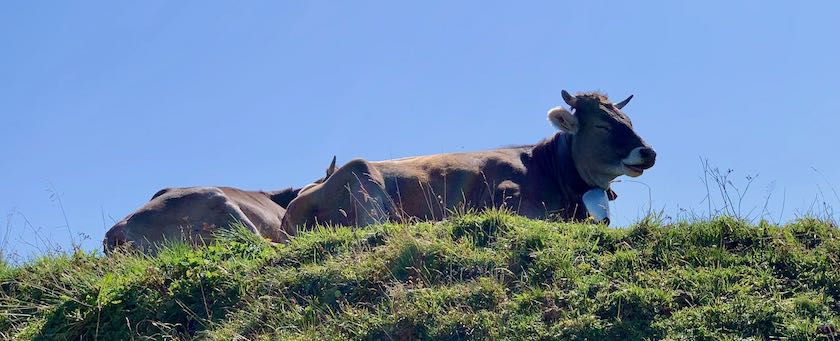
{"x": 284, "y": 196}
{"x": 554, "y": 156}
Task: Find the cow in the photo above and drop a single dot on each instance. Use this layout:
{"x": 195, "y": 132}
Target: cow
{"x": 596, "y": 143}
{"x": 194, "y": 214}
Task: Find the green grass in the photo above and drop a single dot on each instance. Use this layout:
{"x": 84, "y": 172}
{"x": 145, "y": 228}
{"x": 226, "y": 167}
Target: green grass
{"x": 483, "y": 276}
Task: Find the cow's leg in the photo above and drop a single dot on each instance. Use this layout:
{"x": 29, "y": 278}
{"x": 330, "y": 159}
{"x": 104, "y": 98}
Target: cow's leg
{"x": 234, "y": 214}
{"x": 353, "y": 196}
{"x": 205, "y": 210}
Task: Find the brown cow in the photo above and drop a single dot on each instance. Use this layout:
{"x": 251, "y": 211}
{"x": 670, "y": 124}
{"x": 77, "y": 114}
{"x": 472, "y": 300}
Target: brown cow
{"x": 194, "y": 213}
{"x": 596, "y": 144}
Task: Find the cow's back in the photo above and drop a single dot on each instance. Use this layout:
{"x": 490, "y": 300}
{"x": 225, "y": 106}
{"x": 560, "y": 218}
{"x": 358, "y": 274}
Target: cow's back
{"x": 429, "y": 187}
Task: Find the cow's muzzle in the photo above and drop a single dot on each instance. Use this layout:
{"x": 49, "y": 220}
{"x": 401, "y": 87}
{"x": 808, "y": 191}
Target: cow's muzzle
{"x": 640, "y": 159}
{"x": 648, "y": 156}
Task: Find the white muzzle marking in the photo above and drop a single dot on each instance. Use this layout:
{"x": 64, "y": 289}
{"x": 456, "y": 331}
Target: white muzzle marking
{"x": 633, "y": 159}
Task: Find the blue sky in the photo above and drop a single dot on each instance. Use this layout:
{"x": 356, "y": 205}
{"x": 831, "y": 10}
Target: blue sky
{"x": 107, "y": 102}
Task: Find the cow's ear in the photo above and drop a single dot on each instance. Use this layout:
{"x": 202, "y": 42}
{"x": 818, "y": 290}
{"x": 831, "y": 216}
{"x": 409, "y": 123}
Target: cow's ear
{"x": 563, "y": 120}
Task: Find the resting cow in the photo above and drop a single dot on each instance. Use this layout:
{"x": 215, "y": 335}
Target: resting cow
{"x": 194, "y": 213}
{"x": 596, "y": 144}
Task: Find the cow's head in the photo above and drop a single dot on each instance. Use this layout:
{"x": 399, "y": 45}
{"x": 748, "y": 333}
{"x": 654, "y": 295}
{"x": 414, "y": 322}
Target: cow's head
{"x": 604, "y": 145}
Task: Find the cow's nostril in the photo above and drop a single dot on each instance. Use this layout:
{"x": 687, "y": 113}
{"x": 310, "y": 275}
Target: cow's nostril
{"x": 647, "y": 153}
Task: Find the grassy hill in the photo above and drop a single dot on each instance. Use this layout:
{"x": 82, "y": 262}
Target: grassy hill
{"x": 476, "y": 276}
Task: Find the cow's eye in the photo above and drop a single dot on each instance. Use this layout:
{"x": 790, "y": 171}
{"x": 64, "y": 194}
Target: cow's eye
{"x": 605, "y": 128}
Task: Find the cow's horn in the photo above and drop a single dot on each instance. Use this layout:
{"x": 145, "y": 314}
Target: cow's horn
{"x": 570, "y": 100}
{"x": 624, "y": 102}
{"x": 331, "y": 168}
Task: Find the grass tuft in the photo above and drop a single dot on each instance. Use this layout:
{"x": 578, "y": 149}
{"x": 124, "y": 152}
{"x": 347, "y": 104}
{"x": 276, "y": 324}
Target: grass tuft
{"x": 476, "y": 276}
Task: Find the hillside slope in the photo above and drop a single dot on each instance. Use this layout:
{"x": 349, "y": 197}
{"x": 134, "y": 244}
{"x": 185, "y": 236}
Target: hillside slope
{"x": 476, "y": 276}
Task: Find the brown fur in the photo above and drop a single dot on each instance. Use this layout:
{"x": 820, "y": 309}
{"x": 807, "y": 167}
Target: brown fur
{"x": 193, "y": 214}
{"x": 537, "y": 181}
{"x": 528, "y": 180}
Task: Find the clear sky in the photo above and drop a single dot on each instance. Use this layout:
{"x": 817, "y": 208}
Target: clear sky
{"x": 102, "y": 103}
